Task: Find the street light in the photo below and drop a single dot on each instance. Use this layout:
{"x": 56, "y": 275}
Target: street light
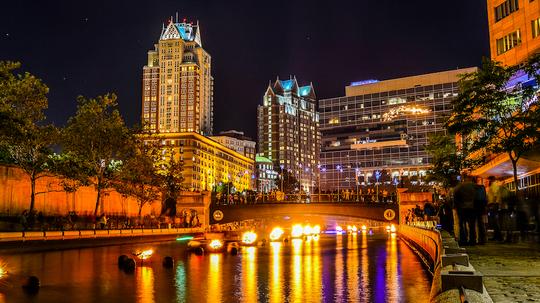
{"x": 377, "y": 176}
{"x": 339, "y": 170}
{"x": 356, "y": 171}
{"x": 281, "y": 173}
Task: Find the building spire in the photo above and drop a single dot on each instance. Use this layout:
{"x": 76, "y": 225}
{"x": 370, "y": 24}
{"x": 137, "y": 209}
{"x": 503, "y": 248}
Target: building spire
{"x": 176, "y": 17}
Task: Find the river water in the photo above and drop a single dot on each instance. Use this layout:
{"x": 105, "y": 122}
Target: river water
{"x": 359, "y": 268}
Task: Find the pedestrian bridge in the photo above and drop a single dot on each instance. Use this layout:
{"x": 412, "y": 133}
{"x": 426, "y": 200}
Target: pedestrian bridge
{"x": 220, "y": 214}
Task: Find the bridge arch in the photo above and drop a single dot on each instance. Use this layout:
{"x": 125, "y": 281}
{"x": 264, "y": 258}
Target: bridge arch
{"x": 221, "y": 214}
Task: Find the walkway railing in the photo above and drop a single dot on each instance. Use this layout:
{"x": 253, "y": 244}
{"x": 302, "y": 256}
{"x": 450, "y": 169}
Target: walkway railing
{"x": 428, "y": 241}
{"x": 89, "y": 234}
{"x": 302, "y": 198}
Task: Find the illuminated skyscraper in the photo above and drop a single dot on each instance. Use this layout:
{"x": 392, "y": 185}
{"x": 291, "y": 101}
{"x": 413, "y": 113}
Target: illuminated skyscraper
{"x": 177, "y": 91}
{"x": 288, "y": 130}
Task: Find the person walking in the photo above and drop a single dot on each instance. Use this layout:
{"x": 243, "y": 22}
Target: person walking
{"x": 464, "y": 194}
{"x": 480, "y": 204}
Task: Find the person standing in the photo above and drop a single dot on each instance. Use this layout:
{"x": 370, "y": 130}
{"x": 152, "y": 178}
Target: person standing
{"x": 493, "y": 207}
{"x": 464, "y": 194}
{"x": 480, "y": 203}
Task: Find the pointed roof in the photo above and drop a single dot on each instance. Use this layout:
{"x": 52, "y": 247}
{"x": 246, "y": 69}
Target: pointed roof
{"x": 181, "y": 30}
{"x": 307, "y": 91}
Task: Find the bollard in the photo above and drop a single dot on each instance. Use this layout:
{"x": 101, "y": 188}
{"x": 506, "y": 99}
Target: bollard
{"x": 168, "y": 262}
{"x": 199, "y": 251}
{"x": 129, "y": 265}
{"x": 31, "y": 285}
{"x": 122, "y": 260}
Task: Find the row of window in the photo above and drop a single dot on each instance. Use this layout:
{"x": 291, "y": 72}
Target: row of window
{"x": 508, "y": 42}
{"x": 505, "y": 9}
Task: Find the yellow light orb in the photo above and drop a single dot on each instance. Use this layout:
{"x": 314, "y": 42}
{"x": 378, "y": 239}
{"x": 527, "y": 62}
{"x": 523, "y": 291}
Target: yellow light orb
{"x": 354, "y": 228}
{"x": 307, "y": 230}
{"x": 145, "y": 254}
{"x": 297, "y": 231}
{"x": 317, "y": 229}
{"x": 215, "y": 244}
{"x": 392, "y": 228}
{"x": 276, "y": 233}
{"x": 364, "y": 228}
{"x": 249, "y": 237}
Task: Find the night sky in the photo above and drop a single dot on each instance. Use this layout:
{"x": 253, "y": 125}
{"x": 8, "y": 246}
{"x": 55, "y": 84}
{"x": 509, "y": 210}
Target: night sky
{"x": 96, "y": 47}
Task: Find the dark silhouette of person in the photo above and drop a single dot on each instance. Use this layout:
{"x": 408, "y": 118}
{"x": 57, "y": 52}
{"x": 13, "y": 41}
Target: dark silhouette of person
{"x": 464, "y": 194}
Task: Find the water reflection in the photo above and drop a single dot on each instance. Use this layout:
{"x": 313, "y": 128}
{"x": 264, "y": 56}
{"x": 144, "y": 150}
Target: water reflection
{"x": 392, "y": 283}
{"x": 214, "y": 278}
{"x": 180, "y": 282}
{"x": 276, "y": 295}
{"x": 249, "y": 270}
{"x": 145, "y": 285}
{"x": 342, "y": 268}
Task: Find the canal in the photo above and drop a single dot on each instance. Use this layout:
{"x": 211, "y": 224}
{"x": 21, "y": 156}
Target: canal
{"x": 344, "y": 268}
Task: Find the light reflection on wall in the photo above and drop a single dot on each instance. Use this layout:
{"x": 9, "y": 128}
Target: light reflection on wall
{"x": 392, "y": 282}
{"x": 352, "y": 269}
{"x": 214, "y": 278}
{"x": 249, "y": 273}
{"x": 180, "y": 282}
{"x": 276, "y": 295}
{"x": 296, "y": 287}
{"x": 145, "y": 285}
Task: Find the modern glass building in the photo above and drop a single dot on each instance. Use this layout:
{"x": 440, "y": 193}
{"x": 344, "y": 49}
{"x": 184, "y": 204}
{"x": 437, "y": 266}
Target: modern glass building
{"x": 378, "y": 130}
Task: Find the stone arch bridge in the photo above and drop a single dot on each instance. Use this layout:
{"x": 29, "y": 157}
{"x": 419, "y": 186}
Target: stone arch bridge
{"x": 220, "y": 214}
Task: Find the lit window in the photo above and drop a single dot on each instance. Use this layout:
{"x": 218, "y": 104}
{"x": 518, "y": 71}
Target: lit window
{"x": 508, "y": 42}
{"x": 535, "y": 24}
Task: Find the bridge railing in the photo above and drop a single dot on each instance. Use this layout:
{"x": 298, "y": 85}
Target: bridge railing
{"x": 239, "y": 199}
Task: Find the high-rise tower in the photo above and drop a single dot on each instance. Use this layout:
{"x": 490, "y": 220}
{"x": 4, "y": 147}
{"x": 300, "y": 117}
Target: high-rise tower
{"x": 288, "y": 127}
{"x": 177, "y": 83}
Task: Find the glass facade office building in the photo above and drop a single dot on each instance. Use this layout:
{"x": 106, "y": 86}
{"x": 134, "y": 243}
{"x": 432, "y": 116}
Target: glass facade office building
{"x": 379, "y": 129}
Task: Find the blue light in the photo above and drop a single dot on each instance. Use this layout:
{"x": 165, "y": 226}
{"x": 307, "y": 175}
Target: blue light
{"x": 287, "y": 84}
{"x": 364, "y": 82}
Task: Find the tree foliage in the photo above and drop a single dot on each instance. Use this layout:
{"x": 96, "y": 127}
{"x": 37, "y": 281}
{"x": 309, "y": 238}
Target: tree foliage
{"x": 495, "y": 112}
{"x": 447, "y": 161}
{"x": 286, "y": 181}
{"x": 170, "y": 168}
{"x": 98, "y": 138}
{"x": 24, "y": 140}
{"x": 139, "y": 176}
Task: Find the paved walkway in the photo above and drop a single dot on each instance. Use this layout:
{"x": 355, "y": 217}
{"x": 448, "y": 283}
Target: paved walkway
{"x": 511, "y": 271}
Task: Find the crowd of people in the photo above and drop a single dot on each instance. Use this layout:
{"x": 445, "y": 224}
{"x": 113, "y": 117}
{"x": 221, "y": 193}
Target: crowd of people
{"x": 365, "y": 195}
{"x": 37, "y": 221}
{"x": 470, "y": 209}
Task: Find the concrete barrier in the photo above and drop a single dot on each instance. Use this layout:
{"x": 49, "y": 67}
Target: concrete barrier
{"x": 10, "y": 236}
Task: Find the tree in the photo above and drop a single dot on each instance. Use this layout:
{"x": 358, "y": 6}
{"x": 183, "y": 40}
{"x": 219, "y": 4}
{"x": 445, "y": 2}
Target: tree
{"x": 98, "y": 138}
{"x": 139, "y": 176}
{"x": 495, "y": 115}
{"x": 24, "y": 140}
{"x": 447, "y": 161}
{"x": 288, "y": 180}
{"x": 170, "y": 169}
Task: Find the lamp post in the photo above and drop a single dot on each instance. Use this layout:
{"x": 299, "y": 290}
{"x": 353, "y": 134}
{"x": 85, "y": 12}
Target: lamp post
{"x": 356, "y": 170}
{"x": 281, "y": 166}
{"x": 339, "y": 170}
{"x": 377, "y": 176}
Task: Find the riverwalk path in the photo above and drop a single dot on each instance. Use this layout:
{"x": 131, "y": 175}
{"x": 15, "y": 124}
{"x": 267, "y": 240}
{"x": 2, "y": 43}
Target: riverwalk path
{"x": 511, "y": 270}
